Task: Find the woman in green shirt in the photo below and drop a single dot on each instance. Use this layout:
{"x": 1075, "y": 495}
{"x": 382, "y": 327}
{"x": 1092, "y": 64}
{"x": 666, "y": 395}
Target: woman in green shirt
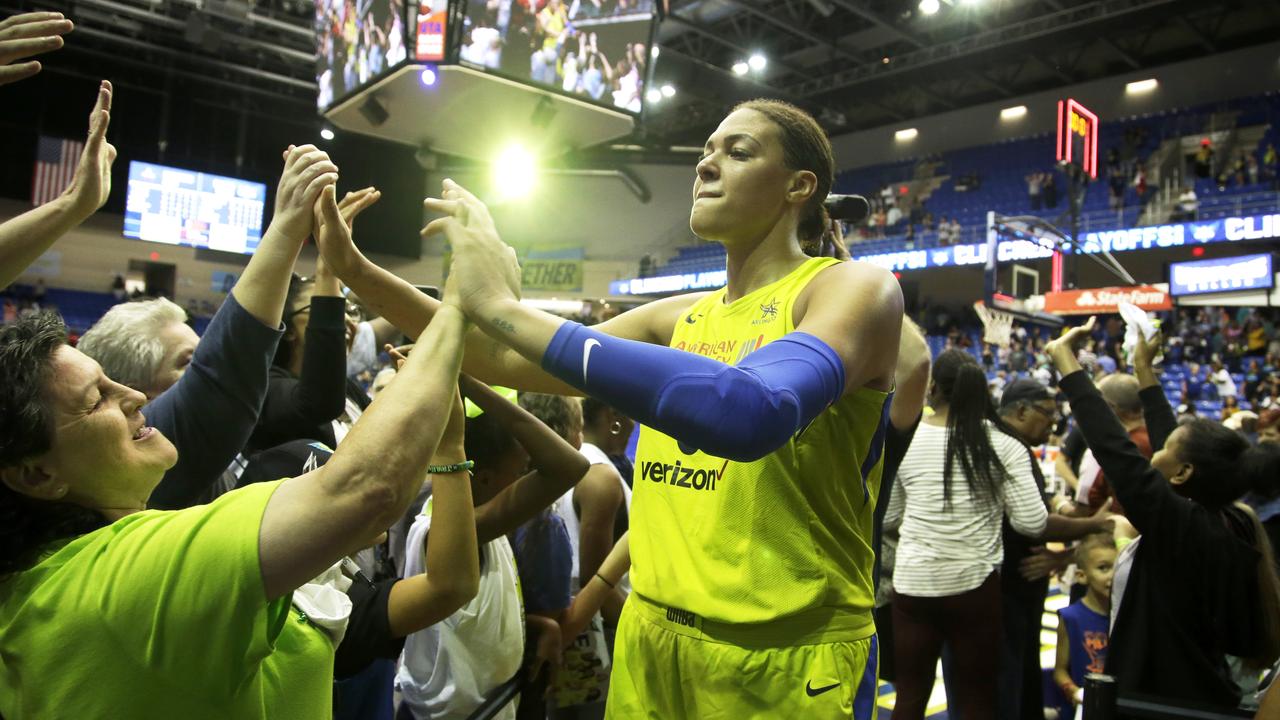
{"x": 108, "y": 609}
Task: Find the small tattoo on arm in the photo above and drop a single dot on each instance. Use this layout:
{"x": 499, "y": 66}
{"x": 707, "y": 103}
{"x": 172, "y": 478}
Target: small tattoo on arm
{"x": 504, "y": 326}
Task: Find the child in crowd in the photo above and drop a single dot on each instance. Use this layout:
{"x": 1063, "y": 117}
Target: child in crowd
{"x": 589, "y": 516}
{"x": 544, "y": 555}
{"x": 1083, "y": 625}
{"x": 448, "y": 669}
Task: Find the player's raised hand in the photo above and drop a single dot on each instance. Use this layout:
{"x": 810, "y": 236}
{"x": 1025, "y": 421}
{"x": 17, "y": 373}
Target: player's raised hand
{"x": 307, "y": 171}
{"x": 334, "y": 222}
{"x": 484, "y": 268}
{"x": 26, "y": 35}
{"x": 91, "y": 184}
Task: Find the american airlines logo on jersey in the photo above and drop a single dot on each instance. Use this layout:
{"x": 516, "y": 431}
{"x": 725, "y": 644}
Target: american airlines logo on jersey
{"x": 680, "y": 476}
{"x": 726, "y": 351}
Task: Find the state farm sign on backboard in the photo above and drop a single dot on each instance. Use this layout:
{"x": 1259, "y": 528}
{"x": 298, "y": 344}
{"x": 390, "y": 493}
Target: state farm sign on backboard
{"x": 1096, "y": 301}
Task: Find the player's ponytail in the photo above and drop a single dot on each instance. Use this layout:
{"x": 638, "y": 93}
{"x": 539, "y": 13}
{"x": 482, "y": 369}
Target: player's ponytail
{"x": 827, "y": 243}
{"x": 961, "y": 384}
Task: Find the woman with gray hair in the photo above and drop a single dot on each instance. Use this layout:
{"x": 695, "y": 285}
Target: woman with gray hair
{"x": 201, "y": 393}
{"x": 146, "y": 344}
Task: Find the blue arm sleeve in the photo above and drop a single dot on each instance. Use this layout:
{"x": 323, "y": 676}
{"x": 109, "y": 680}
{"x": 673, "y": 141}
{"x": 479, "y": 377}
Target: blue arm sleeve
{"x": 741, "y": 412}
{"x": 209, "y": 413}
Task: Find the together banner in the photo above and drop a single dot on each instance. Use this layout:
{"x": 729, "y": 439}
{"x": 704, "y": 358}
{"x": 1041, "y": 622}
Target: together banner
{"x": 552, "y": 269}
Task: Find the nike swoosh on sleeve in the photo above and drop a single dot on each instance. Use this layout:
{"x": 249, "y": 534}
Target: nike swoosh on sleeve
{"x": 587, "y": 347}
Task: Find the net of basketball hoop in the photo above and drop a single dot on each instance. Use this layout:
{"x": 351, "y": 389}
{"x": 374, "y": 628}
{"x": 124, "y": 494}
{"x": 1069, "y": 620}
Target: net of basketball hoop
{"x": 997, "y": 325}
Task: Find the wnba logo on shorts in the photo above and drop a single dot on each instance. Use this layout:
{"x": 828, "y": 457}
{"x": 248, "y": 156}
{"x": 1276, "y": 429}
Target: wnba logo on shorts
{"x": 683, "y": 617}
{"x": 681, "y": 476}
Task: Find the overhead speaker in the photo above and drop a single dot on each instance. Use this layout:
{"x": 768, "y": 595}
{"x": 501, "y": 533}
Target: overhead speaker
{"x": 373, "y": 111}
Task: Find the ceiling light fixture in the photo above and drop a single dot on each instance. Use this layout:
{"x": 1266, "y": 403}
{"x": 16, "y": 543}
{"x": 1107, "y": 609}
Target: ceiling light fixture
{"x": 1141, "y": 86}
{"x": 1013, "y": 113}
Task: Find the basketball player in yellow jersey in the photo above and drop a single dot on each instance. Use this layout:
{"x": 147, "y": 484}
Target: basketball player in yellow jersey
{"x": 763, "y": 406}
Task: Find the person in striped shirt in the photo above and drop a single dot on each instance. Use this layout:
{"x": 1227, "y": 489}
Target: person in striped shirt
{"x": 963, "y": 471}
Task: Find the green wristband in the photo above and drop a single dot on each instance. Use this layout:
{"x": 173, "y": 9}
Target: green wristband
{"x": 450, "y": 469}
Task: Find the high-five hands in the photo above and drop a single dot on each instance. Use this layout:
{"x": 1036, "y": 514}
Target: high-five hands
{"x": 25, "y": 35}
{"x": 333, "y": 223}
{"x": 484, "y": 268}
{"x": 307, "y": 171}
{"x": 91, "y": 184}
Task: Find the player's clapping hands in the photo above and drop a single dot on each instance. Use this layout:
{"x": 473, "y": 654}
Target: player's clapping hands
{"x": 333, "y": 223}
{"x": 23, "y": 36}
{"x": 484, "y": 268}
{"x": 92, "y": 182}
{"x": 307, "y": 171}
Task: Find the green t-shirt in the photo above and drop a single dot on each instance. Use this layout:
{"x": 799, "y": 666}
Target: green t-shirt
{"x": 161, "y": 615}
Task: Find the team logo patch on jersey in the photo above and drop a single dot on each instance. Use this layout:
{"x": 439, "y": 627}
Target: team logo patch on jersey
{"x": 768, "y": 313}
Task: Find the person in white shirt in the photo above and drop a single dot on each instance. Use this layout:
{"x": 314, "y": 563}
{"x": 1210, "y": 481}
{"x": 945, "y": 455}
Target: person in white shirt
{"x": 448, "y": 669}
{"x": 1223, "y": 381}
{"x": 1188, "y": 204}
{"x": 960, "y": 475}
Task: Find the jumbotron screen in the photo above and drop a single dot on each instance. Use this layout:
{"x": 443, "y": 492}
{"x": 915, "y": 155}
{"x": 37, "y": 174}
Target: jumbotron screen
{"x": 357, "y": 41}
{"x": 184, "y": 207}
{"x": 594, "y": 49}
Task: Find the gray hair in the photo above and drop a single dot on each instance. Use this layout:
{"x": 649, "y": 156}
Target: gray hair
{"x": 126, "y": 341}
{"x": 1123, "y": 392}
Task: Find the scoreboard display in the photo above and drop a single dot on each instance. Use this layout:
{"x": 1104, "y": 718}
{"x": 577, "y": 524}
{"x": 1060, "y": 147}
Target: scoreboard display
{"x": 184, "y": 207}
{"x": 1078, "y": 136}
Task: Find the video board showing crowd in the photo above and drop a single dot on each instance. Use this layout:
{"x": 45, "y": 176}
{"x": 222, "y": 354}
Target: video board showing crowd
{"x": 594, "y": 49}
{"x": 357, "y": 42}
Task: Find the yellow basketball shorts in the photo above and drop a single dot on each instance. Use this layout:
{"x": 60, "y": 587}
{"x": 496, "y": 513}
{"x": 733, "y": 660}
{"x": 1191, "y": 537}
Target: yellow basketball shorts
{"x": 669, "y": 666}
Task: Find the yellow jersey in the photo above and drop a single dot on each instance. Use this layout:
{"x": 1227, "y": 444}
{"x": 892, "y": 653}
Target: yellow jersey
{"x": 785, "y": 535}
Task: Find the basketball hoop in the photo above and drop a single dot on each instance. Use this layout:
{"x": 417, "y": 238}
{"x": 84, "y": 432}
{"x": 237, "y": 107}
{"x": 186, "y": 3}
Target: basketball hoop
{"x": 997, "y": 325}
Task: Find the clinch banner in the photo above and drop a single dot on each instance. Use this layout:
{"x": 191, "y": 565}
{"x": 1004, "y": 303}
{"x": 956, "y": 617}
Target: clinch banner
{"x": 1096, "y": 301}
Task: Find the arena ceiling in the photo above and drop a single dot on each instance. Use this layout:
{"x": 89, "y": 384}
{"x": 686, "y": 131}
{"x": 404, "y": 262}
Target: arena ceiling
{"x": 854, "y": 63}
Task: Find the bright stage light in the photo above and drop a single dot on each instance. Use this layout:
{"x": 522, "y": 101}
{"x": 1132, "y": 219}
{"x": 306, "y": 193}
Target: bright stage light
{"x": 1141, "y": 86}
{"x": 514, "y": 172}
{"x": 653, "y": 95}
{"x": 741, "y": 68}
{"x": 757, "y": 62}
{"x": 428, "y": 77}
{"x": 653, "y": 52}
{"x": 929, "y": 7}
{"x": 668, "y": 91}
{"x": 906, "y": 134}
{"x": 326, "y": 134}
{"x": 1013, "y": 113}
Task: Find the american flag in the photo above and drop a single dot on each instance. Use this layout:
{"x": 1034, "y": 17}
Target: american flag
{"x": 56, "y": 161}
